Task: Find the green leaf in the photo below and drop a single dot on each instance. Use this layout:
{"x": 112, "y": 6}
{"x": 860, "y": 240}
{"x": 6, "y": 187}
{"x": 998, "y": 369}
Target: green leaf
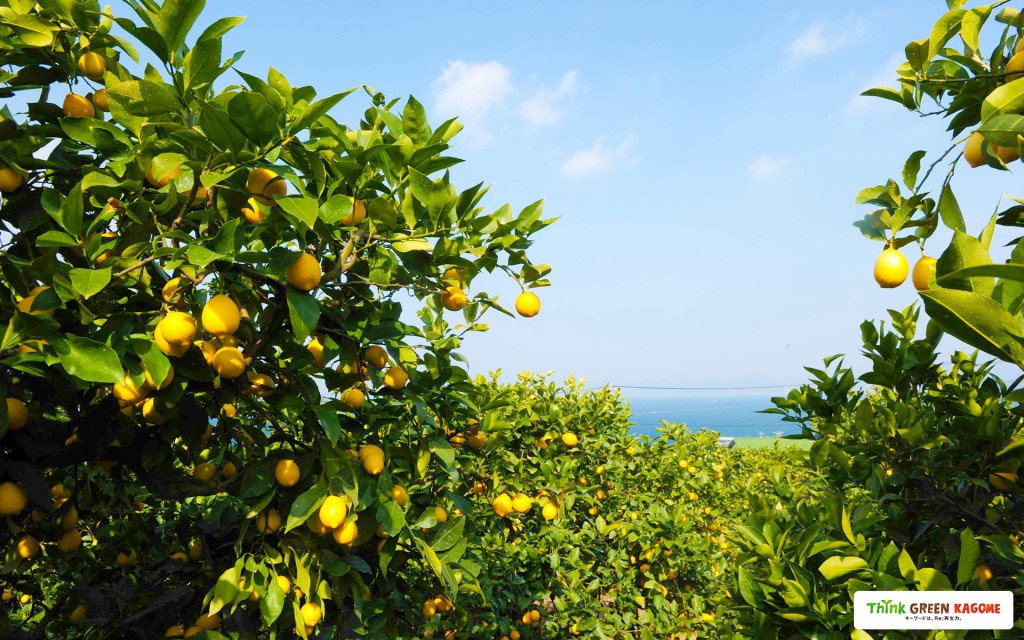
{"x": 229, "y": 239}
{"x": 335, "y": 208}
{"x": 917, "y": 55}
{"x": 945, "y": 28}
{"x": 969, "y": 554}
{"x": 839, "y": 566}
{"x": 304, "y": 506}
{"x": 406, "y": 246}
{"x": 932, "y": 580}
{"x": 202, "y": 63}
{"x": 449, "y": 534}
{"x": 1003, "y": 129}
{"x": 33, "y": 30}
{"x": 257, "y": 480}
{"x": 1007, "y": 271}
{"x": 1008, "y": 98}
{"x": 793, "y": 593}
{"x": 254, "y": 117}
{"x": 89, "y": 282}
{"x": 154, "y": 361}
{"x": 304, "y": 312}
{"x": 225, "y": 591}
{"x": 316, "y": 110}
{"x": 302, "y": 208}
{"x": 25, "y": 326}
{"x": 216, "y": 124}
{"x": 87, "y": 359}
{"x": 174, "y": 20}
{"x": 414, "y": 122}
{"x": 949, "y": 210}
{"x": 964, "y": 251}
{"x": 272, "y": 603}
{"x": 328, "y": 416}
{"x": 142, "y": 98}
{"x": 971, "y": 25}
{"x": 100, "y": 134}
{"x": 911, "y": 168}
{"x": 72, "y": 210}
{"x": 977, "y": 320}
{"x": 390, "y": 515}
{"x": 443, "y": 450}
{"x": 219, "y": 28}
{"x": 56, "y": 239}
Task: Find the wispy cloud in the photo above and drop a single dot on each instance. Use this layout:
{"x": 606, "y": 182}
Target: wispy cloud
{"x": 471, "y": 90}
{"x": 767, "y": 167}
{"x": 598, "y": 159}
{"x": 818, "y": 40}
{"x": 542, "y": 109}
{"x": 860, "y": 106}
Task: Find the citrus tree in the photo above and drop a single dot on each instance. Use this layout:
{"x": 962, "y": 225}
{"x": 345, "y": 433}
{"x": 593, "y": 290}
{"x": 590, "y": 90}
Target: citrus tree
{"x": 231, "y": 333}
{"x": 969, "y": 70}
{"x": 916, "y": 488}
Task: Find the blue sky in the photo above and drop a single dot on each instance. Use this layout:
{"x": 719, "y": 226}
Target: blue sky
{"x": 703, "y": 159}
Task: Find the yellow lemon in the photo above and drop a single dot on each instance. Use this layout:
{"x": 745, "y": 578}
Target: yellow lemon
{"x": 333, "y": 511}
{"x": 550, "y": 511}
{"x": 284, "y": 583}
{"x": 172, "y": 349}
{"x": 982, "y": 574}
{"x": 101, "y": 100}
{"x": 972, "y": 150}
{"x": 316, "y": 348}
{"x": 268, "y": 522}
{"x": 376, "y": 356}
{"x": 10, "y": 180}
{"x": 891, "y": 269}
{"x": 522, "y": 503}
{"x": 396, "y": 378}
{"x": 304, "y": 274}
{"x": 177, "y": 327}
{"x": 372, "y": 458}
{"x": 17, "y": 414}
{"x": 924, "y": 269}
{"x": 229, "y": 470}
{"x": 255, "y": 213}
{"x": 76, "y": 106}
{"x": 440, "y": 515}
{"x": 400, "y": 495}
{"x": 357, "y": 216}
{"x": 221, "y": 316}
{"x": 69, "y": 541}
{"x": 261, "y": 384}
{"x": 204, "y": 471}
{"x": 28, "y": 547}
{"x": 12, "y": 499}
{"x": 570, "y": 439}
{"x": 453, "y": 299}
{"x": 311, "y": 614}
{"x": 528, "y": 304}
{"x": 353, "y": 398}
{"x": 127, "y": 392}
{"x": 346, "y": 534}
{"x": 92, "y": 66}
{"x": 264, "y": 185}
{"x": 229, "y": 362}
{"x": 168, "y": 379}
{"x": 207, "y": 622}
{"x": 286, "y": 473}
{"x": 502, "y": 505}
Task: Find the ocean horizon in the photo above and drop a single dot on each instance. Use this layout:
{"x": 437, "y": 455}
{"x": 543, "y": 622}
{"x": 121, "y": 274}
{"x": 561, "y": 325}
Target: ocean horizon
{"x": 731, "y": 416}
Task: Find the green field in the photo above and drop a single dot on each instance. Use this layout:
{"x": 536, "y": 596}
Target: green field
{"x": 756, "y": 443}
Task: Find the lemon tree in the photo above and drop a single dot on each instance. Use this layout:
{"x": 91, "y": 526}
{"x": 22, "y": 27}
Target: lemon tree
{"x": 231, "y": 332}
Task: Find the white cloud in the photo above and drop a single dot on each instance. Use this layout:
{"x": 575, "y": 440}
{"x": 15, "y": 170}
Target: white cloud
{"x": 817, "y": 41}
{"x": 597, "y": 159}
{"x": 471, "y": 90}
{"x": 859, "y": 105}
{"x": 767, "y": 167}
{"x": 542, "y": 109}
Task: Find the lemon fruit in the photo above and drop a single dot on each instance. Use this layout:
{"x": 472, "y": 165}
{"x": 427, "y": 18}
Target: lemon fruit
{"x": 357, "y": 216}
{"x": 13, "y": 499}
{"x": 304, "y": 274}
{"x": 204, "y": 471}
{"x": 92, "y": 66}
{"x": 264, "y": 185}
{"x": 502, "y": 505}
{"x": 127, "y": 392}
{"x": 972, "y": 150}
{"x": 353, "y": 398}
{"x": 550, "y": 511}
{"x": 924, "y": 269}
{"x": 268, "y": 522}
{"x": 400, "y": 495}
{"x": 17, "y": 414}
{"x": 396, "y": 378}
{"x": 229, "y": 362}
{"x": 522, "y": 503}
{"x": 570, "y": 439}
{"x": 316, "y": 348}
{"x": 177, "y": 328}
{"x": 372, "y": 458}
{"x": 10, "y": 180}
{"x": 101, "y": 100}
{"x": 69, "y": 541}
{"x": 527, "y": 304}
{"x": 286, "y": 473}
{"x": 220, "y": 316}
{"x": 346, "y": 534}
{"x": 333, "y": 511}
{"x": 28, "y": 547}
{"x": 207, "y": 622}
{"x": 311, "y": 614}
{"x": 891, "y": 269}
{"x": 255, "y": 213}
{"x": 1002, "y": 480}
{"x": 76, "y": 106}
{"x": 376, "y": 356}
{"x": 982, "y": 574}
{"x": 440, "y": 515}
{"x": 453, "y": 299}
{"x": 79, "y": 613}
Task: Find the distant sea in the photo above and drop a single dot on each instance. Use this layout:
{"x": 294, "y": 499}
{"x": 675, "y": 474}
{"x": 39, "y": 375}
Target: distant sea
{"x": 735, "y": 416}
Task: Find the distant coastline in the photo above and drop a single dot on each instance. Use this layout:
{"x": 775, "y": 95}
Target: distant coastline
{"x": 733, "y": 416}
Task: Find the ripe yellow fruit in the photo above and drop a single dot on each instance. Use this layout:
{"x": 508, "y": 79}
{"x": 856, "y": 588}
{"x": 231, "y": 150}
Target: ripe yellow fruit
{"x": 10, "y": 180}
{"x": 127, "y": 392}
{"x": 229, "y": 362}
{"x": 692, "y": 496}
{"x": 440, "y": 515}
{"x": 372, "y": 458}
{"x": 477, "y": 440}
{"x": 261, "y": 384}
{"x": 286, "y": 473}
{"x": 400, "y": 495}
{"x": 101, "y": 101}
{"x": 1002, "y": 480}
{"x": 972, "y": 150}
{"x": 150, "y": 413}
{"x": 174, "y": 350}
{"x": 891, "y": 269}
{"x": 255, "y": 213}
{"x": 17, "y": 414}
{"x": 453, "y": 299}
{"x": 376, "y": 356}
{"x": 268, "y": 522}
{"x": 175, "y": 631}
{"x": 193, "y": 630}
{"x": 164, "y": 180}
{"x": 79, "y": 613}
{"x": 353, "y": 398}
{"x": 304, "y": 274}
{"x": 316, "y": 525}
{"x": 264, "y": 185}
{"x": 26, "y": 598}
{"x": 311, "y": 614}
{"x": 346, "y": 534}
{"x": 429, "y": 609}
{"x": 396, "y": 378}
{"x": 221, "y": 316}
{"x": 206, "y": 622}
{"x": 513, "y": 635}
{"x": 76, "y": 106}
{"x": 1006, "y": 154}
{"x": 12, "y": 499}
{"x": 69, "y": 541}
{"x": 28, "y": 547}
{"x": 7, "y": 595}
{"x": 982, "y": 574}
{"x": 284, "y": 583}
{"x": 528, "y": 304}
{"x": 92, "y": 66}
{"x": 550, "y": 511}
{"x": 333, "y": 511}
{"x": 923, "y": 271}
{"x": 357, "y": 216}
{"x": 204, "y": 471}
{"x": 316, "y": 348}
{"x": 502, "y": 505}
{"x": 522, "y": 503}
{"x": 177, "y": 328}
{"x": 1014, "y": 66}
{"x": 570, "y": 439}
{"x": 534, "y": 616}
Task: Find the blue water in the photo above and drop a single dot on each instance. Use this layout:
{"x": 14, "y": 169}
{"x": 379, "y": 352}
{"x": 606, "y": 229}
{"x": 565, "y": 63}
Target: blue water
{"x": 734, "y": 416}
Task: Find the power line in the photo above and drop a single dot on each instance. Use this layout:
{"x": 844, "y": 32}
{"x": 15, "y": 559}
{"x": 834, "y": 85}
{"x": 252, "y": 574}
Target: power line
{"x": 772, "y": 386}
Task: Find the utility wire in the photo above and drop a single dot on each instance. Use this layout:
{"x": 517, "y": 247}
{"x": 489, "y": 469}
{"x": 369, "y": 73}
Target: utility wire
{"x": 773, "y": 386}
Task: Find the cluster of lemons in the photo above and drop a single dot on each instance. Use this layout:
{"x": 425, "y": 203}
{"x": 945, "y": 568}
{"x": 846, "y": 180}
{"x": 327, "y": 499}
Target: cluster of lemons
{"x": 892, "y": 269}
